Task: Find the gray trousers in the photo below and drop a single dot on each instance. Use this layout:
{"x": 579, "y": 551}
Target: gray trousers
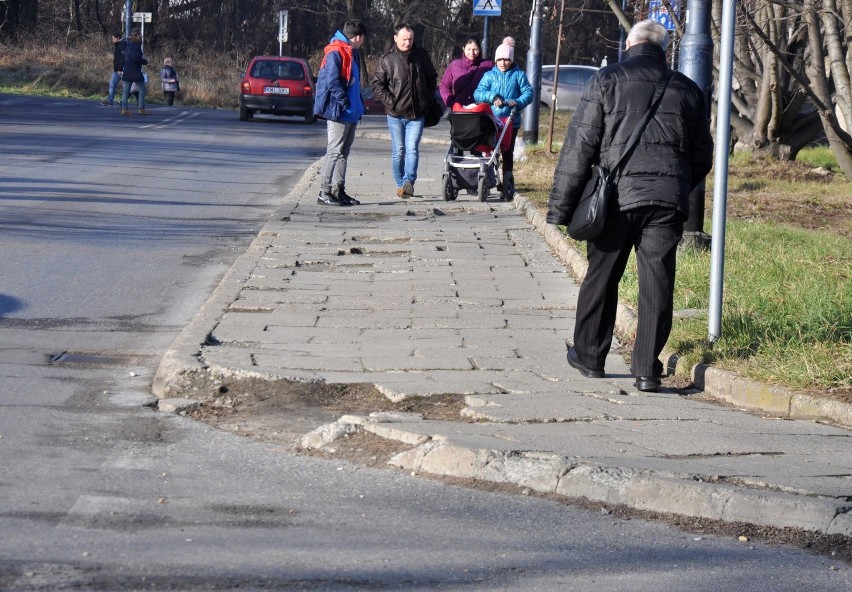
{"x": 340, "y": 138}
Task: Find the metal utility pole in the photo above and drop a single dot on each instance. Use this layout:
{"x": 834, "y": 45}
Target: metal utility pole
{"x": 696, "y": 62}
{"x": 553, "y": 104}
{"x": 534, "y": 76}
{"x": 127, "y": 19}
{"x": 720, "y": 179}
{"x": 485, "y": 38}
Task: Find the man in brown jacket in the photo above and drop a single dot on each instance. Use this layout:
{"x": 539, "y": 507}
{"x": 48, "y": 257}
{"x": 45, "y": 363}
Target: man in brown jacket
{"x": 405, "y": 82}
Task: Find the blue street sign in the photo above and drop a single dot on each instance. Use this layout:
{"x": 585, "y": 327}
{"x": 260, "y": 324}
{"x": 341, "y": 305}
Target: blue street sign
{"x": 487, "y": 7}
{"x": 657, "y": 11}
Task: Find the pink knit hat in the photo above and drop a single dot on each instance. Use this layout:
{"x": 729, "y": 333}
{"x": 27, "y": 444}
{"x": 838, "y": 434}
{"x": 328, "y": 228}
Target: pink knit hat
{"x": 505, "y": 51}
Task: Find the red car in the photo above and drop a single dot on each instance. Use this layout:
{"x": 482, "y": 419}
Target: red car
{"x": 372, "y": 106}
{"x": 277, "y": 86}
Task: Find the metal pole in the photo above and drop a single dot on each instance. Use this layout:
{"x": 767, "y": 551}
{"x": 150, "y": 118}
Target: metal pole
{"x": 553, "y": 103}
{"x": 621, "y": 31}
{"x": 485, "y": 39}
{"x": 720, "y": 180}
{"x": 696, "y": 62}
{"x": 534, "y": 76}
{"x": 128, "y": 19}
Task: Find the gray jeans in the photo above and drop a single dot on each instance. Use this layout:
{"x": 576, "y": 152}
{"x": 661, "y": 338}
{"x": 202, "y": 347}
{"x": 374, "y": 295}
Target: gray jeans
{"x": 340, "y": 138}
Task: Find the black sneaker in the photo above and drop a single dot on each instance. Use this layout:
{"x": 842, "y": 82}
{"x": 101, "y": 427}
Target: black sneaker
{"x": 347, "y": 199}
{"x": 327, "y": 199}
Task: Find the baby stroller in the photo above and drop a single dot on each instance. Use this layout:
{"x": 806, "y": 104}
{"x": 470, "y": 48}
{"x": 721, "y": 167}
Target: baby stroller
{"x": 475, "y": 129}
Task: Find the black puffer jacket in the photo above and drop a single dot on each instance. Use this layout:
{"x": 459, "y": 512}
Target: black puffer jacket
{"x": 118, "y": 55}
{"x": 674, "y": 153}
{"x": 405, "y": 82}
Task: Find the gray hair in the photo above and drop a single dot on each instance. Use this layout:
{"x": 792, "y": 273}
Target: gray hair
{"x": 649, "y": 31}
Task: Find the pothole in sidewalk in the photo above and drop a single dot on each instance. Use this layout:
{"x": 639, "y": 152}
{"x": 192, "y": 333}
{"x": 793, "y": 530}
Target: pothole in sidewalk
{"x": 362, "y": 216}
{"x": 283, "y": 410}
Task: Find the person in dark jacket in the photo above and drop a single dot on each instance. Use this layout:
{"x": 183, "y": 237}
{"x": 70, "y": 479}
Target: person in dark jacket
{"x": 118, "y": 45}
{"x": 338, "y": 101}
{"x": 132, "y": 72}
{"x": 405, "y": 82}
{"x": 674, "y": 154}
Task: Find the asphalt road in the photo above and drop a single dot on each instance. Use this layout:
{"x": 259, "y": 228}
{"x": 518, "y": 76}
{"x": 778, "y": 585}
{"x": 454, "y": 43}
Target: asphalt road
{"x": 113, "y": 233}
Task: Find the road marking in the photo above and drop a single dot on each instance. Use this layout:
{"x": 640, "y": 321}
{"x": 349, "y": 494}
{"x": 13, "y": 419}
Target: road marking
{"x": 172, "y": 121}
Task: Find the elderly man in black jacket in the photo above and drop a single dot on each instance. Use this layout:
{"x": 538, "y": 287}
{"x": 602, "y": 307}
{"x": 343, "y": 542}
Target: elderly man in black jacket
{"x": 673, "y": 155}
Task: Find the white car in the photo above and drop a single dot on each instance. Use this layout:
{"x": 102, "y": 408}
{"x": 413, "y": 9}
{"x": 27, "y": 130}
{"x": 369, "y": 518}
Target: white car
{"x": 572, "y": 81}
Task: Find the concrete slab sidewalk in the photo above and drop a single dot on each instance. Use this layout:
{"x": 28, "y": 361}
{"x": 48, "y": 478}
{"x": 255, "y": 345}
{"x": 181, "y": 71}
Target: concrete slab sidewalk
{"x": 424, "y": 297}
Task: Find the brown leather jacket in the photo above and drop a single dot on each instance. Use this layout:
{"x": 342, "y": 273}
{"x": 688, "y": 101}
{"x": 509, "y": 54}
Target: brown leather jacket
{"x": 405, "y": 82}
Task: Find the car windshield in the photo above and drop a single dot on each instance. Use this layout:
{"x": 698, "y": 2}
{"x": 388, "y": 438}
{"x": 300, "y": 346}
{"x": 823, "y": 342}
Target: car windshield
{"x": 277, "y": 69}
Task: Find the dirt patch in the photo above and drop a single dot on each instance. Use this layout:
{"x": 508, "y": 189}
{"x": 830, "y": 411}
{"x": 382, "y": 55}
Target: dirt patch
{"x": 283, "y": 411}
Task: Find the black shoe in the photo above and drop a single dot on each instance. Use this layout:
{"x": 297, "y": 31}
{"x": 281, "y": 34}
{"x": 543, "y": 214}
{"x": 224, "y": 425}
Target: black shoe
{"x": 647, "y": 384}
{"x": 346, "y": 199}
{"x": 327, "y": 199}
{"x": 575, "y": 362}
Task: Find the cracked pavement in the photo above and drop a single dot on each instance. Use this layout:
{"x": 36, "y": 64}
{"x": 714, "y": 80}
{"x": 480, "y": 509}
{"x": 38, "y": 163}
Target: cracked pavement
{"x": 425, "y": 297}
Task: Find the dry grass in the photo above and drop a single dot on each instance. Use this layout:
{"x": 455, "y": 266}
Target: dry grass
{"x": 83, "y": 71}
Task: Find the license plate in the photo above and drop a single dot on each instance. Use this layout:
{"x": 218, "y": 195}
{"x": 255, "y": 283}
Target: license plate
{"x": 276, "y": 90}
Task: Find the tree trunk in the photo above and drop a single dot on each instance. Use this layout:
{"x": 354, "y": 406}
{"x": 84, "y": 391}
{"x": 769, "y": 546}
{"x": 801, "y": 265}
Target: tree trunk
{"x": 839, "y": 140}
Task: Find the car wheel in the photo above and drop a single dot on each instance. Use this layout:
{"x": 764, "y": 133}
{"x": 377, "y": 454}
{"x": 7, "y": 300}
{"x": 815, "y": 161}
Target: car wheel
{"x": 309, "y": 116}
{"x": 244, "y": 112}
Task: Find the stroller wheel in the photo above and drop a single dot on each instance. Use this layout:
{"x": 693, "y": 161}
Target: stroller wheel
{"x": 482, "y": 188}
{"x": 450, "y": 193}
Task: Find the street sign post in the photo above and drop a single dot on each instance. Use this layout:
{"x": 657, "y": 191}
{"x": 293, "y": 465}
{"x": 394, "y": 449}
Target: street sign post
{"x": 486, "y": 8}
{"x": 142, "y": 17}
{"x": 657, "y": 11}
{"x": 283, "y": 22}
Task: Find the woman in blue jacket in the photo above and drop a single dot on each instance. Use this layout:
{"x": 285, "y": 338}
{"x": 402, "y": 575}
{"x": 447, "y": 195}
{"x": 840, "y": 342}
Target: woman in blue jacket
{"x": 504, "y": 87}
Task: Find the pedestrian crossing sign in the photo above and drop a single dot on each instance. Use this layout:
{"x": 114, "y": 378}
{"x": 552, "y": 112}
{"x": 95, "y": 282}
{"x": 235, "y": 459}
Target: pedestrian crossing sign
{"x": 487, "y": 7}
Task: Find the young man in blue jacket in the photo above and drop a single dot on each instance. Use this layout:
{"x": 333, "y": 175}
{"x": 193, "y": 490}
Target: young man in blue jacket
{"x": 338, "y": 101}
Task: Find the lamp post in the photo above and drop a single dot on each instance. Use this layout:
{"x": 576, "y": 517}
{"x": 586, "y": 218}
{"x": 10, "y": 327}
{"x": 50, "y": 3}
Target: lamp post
{"x": 534, "y": 76}
{"x": 696, "y": 62}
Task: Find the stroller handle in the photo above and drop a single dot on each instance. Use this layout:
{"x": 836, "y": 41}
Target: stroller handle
{"x": 505, "y": 127}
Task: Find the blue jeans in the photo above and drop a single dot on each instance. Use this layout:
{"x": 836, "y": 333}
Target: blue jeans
{"x": 113, "y": 84}
{"x": 405, "y": 148}
{"x": 125, "y": 94}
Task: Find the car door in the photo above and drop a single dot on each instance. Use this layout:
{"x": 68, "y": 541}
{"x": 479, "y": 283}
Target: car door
{"x": 547, "y": 86}
{"x": 570, "y": 87}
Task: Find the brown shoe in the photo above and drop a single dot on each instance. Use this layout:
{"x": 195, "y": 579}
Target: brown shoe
{"x": 144, "y": 112}
{"x": 400, "y": 193}
{"x": 408, "y": 189}
{"x": 125, "y": 112}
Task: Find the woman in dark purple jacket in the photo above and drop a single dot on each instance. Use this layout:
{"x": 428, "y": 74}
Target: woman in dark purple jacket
{"x": 463, "y": 74}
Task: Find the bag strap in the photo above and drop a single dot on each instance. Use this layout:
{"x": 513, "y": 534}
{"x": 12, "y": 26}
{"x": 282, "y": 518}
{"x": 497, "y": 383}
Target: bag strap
{"x": 637, "y": 133}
